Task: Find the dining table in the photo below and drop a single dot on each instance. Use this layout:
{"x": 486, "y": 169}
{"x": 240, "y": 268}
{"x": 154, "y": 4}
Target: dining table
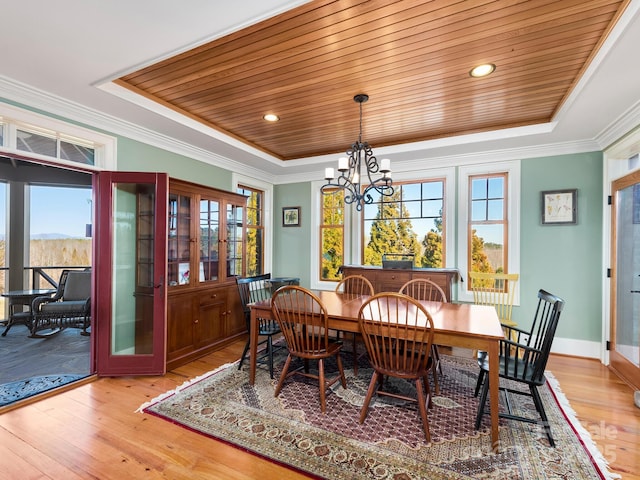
{"x": 475, "y": 327}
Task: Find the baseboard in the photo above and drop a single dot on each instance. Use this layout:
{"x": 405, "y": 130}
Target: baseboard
{"x": 576, "y": 348}
{"x": 563, "y": 346}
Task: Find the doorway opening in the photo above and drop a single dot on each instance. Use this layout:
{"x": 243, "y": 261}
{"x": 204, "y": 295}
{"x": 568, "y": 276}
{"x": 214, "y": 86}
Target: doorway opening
{"x": 45, "y": 228}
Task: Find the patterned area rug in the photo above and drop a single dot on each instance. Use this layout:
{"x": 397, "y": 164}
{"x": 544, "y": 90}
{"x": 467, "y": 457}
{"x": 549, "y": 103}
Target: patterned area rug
{"x": 19, "y": 390}
{"x": 291, "y": 431}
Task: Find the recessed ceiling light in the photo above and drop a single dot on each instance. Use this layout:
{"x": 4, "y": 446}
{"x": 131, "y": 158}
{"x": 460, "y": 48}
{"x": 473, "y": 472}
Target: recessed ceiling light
{"x": 482, "y": 70}
{"x": 271, "y": 117}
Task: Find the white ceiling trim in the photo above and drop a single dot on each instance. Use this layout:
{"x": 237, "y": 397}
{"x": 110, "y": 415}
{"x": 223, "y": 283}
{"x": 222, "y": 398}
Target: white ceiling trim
{"x": 47, "y": 103}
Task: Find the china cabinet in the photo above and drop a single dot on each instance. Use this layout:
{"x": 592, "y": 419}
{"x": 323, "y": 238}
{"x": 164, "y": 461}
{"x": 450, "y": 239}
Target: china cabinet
{"x": 205, "y": 252}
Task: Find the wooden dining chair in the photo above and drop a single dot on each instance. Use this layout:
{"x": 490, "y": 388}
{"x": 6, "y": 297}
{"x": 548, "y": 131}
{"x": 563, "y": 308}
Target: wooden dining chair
{"x": 424, "y": 289}
{"x": 522, "y": 360}
{"x": 304, "y": 323}
{"x": 356, "y": 285}
{"x": 497, "y": 290}
{"x": 398, "y": 335}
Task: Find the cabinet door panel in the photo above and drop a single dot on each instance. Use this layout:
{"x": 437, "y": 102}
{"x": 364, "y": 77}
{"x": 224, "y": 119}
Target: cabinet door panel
{"x": 180, "y": 326}
{"x": 210, "y": 322}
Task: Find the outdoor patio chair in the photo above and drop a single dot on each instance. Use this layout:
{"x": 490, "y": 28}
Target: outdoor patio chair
{"x": 70, "y": 306}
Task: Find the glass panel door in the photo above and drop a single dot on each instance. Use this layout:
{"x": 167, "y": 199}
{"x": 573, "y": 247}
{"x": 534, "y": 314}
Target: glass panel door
{"x": 235, "y": 240}
{"x": 179, "y": 250}
{"x": 625, "y": 325}
{"x": 130, "y": 276}
{"x": 209, "y": 240}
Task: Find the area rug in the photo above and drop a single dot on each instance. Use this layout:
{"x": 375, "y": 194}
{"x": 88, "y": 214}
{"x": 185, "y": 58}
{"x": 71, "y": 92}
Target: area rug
{"x": 19, "y": 390}
{"x": 291, "y": 431}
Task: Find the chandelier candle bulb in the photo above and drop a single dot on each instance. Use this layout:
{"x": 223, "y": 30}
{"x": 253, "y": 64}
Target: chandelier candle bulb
{"x": 343, "y": 164}
{"x": 385, "y": 165}
{"x": 328, "y": 173}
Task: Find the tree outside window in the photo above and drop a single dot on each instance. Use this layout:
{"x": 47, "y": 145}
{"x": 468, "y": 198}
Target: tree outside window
{"x": 254, "y": 230}
{"x": 332, "y": 235}
{"x": 410, "y": 221}
{"x": 487, "y": 249}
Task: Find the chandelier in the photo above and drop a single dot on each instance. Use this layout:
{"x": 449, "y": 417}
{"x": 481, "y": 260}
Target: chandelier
{"x": 351, "y": 176}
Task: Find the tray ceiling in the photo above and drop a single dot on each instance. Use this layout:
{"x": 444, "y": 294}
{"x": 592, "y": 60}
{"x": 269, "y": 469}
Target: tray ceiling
{"x": 411, "y": 57}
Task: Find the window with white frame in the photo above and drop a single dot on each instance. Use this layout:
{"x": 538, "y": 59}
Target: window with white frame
{"x": 39, "y": 136}
{"x": 423, "y": 204}
{"x": 259, "y": 221}
{"x": 488, "y": 220}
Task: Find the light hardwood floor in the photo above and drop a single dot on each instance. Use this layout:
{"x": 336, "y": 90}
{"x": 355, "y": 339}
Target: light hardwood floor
{"x": 93, "y": 431}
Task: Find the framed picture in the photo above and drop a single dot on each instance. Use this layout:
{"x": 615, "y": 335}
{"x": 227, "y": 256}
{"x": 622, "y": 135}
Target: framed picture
{"x": 559, "y": 207}
{"x": 290, "y": 216}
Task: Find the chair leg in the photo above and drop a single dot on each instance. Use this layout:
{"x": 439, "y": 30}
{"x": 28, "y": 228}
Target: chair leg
{"x": 373, "y": 385}
{"x": 283, "y": 375}
{"x": 436, "y": 356}
{"x": 343, "y": 379}
{"x": 482, "y": 402}
{"x": 479, "y": 382}
{"x": 323, "y": 386}
{"x": 543, "y": 415}
{"x": 270, "y": 354}
{"x": 434, "y": 371}
{"x": 428, "y": 391}
{"x": 355, "y": 355}
{"x": 244, "y": 354}
{"x": 422, "y": 406}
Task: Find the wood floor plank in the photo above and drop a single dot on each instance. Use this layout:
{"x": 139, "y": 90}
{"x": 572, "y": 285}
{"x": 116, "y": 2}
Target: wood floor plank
{"x": 94, "y": 431}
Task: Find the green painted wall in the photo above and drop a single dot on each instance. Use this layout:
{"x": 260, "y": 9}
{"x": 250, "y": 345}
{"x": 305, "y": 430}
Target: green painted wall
{"x": 291, "y": 252}
{"x": 564, "y": 259}
{"x": 136, "y": 156}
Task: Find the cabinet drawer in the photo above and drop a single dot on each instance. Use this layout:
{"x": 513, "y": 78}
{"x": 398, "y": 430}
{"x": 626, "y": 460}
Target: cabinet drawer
{"x": 391, "y": 281}
{"x": 212, "y": 297}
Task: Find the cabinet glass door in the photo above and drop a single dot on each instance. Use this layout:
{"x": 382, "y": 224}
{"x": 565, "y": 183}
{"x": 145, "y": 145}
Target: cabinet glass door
{"x": 235, "y": 240}
{"x": 179, "y": 244}
{"x": 209, "y": 240}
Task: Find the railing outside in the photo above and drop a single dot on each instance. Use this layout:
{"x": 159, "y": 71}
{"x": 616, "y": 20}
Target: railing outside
{"x": 39, "y": 278}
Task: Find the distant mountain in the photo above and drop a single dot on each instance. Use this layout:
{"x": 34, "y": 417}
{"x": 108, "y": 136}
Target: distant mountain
{"x": 51, "y": 236}
{"x": 47, "y": 236}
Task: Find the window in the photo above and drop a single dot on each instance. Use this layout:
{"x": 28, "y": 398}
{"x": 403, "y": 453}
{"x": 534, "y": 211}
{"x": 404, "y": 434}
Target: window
{"x": 488, "y": 226}
{"x": 331, "y": 236}
{"x": 41, "y": 136}
{"x": 488, "y": 220}
{"x": 255, "y": 234}
{"x": 411, "y": 221}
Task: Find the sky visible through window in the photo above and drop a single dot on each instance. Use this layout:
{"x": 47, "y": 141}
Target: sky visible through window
{"x": 60, "y": 211}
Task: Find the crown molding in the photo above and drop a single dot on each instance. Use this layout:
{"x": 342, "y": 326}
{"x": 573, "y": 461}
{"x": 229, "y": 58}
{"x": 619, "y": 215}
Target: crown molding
{"x": 49, "y": 104}
{"x": 626, "y": 122}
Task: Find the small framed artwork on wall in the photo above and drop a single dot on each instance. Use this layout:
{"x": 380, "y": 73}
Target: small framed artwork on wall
{"x": 290, "y": 216}
{"x": 560, "y": 207}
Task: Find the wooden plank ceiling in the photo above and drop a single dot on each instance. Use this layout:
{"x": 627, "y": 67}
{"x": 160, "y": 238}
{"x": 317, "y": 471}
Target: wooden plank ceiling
{"x": 411, "y": 57}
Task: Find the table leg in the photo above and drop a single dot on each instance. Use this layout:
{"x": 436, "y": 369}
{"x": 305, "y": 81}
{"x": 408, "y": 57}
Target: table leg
{"x": 253, "y": 346}
{"x": 494, "y": 393}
